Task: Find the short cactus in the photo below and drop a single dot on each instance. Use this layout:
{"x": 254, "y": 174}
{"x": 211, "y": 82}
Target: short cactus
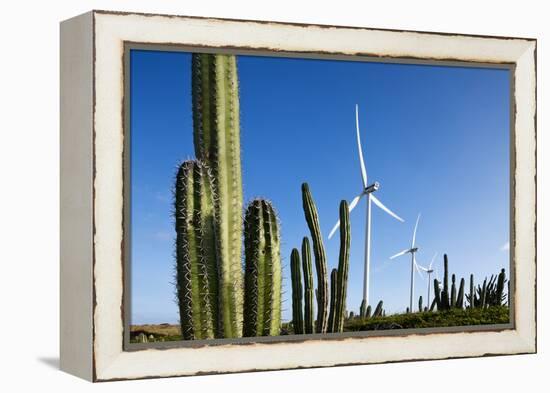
{"x": 453, "y": 292}
{"x": 196, "y": 258}
{"x": 460, "y": 295}
{"x": 308, "y": 287}
{"x": 363, "y": 309}
{"x": 263, "y": 271}
{"x": 368, "y": 311}
{"x": 332, "y": 317}
{"x": 297, "y": 291}
{"x": 378, "y": 311}
{"x": 472, "y": 293}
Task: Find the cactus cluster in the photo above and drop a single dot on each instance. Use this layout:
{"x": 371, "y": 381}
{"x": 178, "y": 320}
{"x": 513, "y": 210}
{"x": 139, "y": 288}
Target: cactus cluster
{"x": 330, "y": 317}
{"x": 490, "y": 293}
{"x": 210, "y": 287}
{"x": 446, "y": 299}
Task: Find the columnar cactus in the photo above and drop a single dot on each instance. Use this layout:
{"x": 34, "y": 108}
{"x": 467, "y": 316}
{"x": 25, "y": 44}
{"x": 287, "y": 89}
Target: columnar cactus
{"x": 453, "y": 291}
{"x": 216, "y": 131}
{"x": 368, "y": 312}
{"x": 296, "y": 279}
{"x": 420, "y": 308}
{"x": 308, "y": 287}
{"x": 434, "y": 303}
{"x": 196, "y": 258}
{"x": 378, "y": 311}
{"x": 460, "y": 296}
{"x": 445, "y": 304}
{"x": 472, "y": 293}
{"x": 343, "y": 267}
{"x": 312, "y": 219}
{"x": 363, "y": 309}
{"x": 263, "y": 272}
{"x": 437, "y": 294}
{"x": 332, "y": 317}
{"x": 499, "y": 292}
{"x": 483, "y": 294}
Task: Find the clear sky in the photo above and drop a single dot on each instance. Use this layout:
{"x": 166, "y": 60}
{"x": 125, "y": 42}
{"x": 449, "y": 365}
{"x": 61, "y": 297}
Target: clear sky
{"x": 435, "y": 137}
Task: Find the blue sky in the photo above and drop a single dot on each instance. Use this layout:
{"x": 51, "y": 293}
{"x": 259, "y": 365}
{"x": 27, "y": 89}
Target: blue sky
{"x": 435, "y": 137}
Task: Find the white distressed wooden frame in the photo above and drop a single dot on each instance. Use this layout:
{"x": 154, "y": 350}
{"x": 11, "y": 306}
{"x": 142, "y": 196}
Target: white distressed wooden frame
{"x": 92, "y": 149}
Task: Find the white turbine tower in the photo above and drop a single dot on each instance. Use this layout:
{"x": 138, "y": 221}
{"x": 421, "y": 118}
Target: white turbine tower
{"x": 429, "y": 270}
{"x": 368, "y": 191}
{"x": 412, "y": 250}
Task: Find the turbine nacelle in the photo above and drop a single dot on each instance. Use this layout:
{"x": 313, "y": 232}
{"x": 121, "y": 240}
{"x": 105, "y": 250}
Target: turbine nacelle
{"x": 372, "y": 188}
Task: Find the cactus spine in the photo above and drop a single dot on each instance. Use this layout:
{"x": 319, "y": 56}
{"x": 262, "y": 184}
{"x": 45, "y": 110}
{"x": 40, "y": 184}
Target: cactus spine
{"x": 312, "y": 219}
{"x": 216, "y": 132}
{"x": 332, "y": 317}
{"x": 296, "y": 278}
{"x": 308, "y": 287}
{"x": 263, "y": 274}
{"x": 196, "y": 259}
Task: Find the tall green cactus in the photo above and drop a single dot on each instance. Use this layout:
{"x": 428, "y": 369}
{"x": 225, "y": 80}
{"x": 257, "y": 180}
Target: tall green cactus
{"x": 309, "y": 319}
{"x": 296, "y": 279}
{"x": 196, "y": 259}
{"x": 312, "y": 219}
{"x": 420, "y": 308}
{"x": 263, "y": 272}
{"x": 216, "y": 131}
{"x": 343, "y": 267}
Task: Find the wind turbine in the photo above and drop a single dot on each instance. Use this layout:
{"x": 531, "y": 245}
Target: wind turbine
{"x": 367, "y": 191}
{"x": 412, "y": 250}
{"x": 429, "y": 270}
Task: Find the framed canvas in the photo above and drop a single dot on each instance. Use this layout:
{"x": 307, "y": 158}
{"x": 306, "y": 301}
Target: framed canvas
{"x": 247, "y": 195}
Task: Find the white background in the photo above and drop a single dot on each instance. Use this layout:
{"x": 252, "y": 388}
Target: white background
{"x": 29, "y": 197}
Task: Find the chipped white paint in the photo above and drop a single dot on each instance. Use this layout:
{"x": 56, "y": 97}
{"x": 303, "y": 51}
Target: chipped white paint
{"x": 111, "y": 30}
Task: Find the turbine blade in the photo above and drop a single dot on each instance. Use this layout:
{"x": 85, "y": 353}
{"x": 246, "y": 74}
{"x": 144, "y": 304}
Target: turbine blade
{"x": 432, "y": 262}
{"x": 400, "y": 253}
{"x": 355, "y": 201}
{"x": 417, "y": 268}
{"x": 334, "y": 229}
{"x": 361, "y": 161}
{"x": 381, "y": 206}
{"x": 351, "y": 206}
{"x": 414, "y": 233}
